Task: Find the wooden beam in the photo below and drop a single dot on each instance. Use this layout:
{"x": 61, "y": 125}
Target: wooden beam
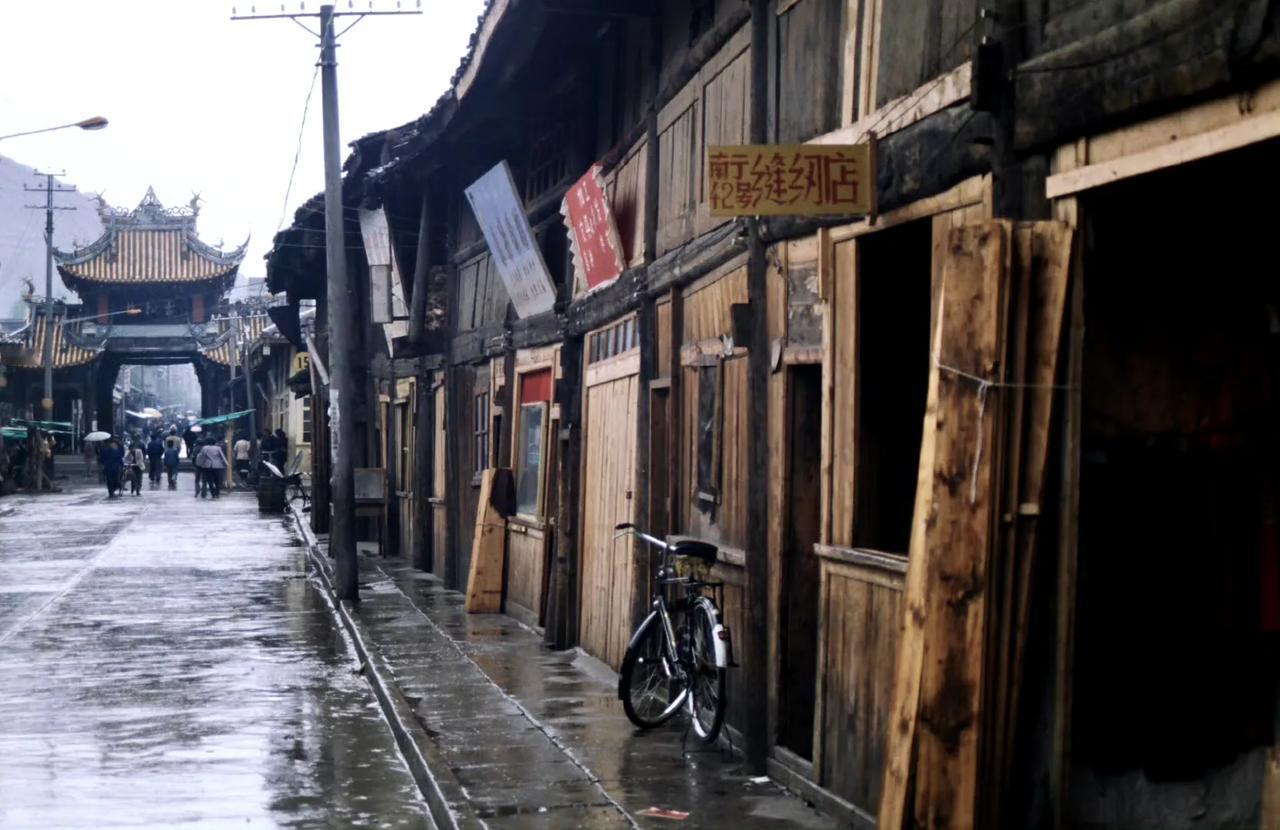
{"x": 1181, "y": 151}
{"x": 1174, "y": 50}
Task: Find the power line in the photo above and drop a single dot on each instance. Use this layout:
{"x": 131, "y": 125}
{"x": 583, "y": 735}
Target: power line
{"x": 297, "y": 153}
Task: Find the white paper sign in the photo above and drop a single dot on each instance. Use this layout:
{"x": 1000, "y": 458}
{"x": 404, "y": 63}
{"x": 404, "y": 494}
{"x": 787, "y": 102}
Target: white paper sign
{"x": 500, "y": 213}
{"x": 386, "y": 302}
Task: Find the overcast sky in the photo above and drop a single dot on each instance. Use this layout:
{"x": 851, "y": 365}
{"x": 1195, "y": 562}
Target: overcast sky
{"x": 199, "y": 103}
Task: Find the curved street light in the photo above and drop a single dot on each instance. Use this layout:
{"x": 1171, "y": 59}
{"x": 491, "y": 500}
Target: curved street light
{"x": 96, "y": 122}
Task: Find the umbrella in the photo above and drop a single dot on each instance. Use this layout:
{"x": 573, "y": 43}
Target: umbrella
{"x": 197, "y": 428}
{"x": 152, "y": 412}
{"x": 97, "y": 436}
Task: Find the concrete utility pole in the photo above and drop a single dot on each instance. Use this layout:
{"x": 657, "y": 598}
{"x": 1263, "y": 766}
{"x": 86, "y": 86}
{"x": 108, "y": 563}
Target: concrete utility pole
{"x": 340, "y": 303}
{"x": 48, "y": 207}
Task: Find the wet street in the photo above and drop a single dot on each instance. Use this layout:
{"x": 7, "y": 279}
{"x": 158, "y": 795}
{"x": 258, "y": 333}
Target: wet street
{"x": 165, "y": 662}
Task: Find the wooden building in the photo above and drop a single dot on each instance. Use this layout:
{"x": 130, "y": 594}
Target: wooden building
{"x": 957, "y": 527}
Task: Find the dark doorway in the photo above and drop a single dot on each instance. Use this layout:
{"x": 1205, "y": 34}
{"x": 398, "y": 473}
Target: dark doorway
{"x": 799, "y": 624}
{"x": 1177, "y": 639}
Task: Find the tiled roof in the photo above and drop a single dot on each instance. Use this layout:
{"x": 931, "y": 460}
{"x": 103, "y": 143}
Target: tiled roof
{"x": 221, "y": 352}
{"x": 151, "y": 243}
{"x": 68, "y": 351}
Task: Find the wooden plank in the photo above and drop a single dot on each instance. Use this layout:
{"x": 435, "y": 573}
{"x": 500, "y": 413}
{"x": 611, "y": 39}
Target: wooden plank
{"x": 844, "y": 419}
{"x": 971, "y": 191}
{"x": 957, "y": 545}
{"x": 944, "y": 91}
{"x": 899, "y": 750}
{"x": 484, "y": 579}
{"x": 1271, "y": 791}
{"x": 1001, "y": 609}
{"x": 1222, "y": 140}
{"x": 1049, "y": 263}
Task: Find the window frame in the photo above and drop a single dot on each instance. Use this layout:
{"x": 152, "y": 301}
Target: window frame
{"x": 481, "y": 447}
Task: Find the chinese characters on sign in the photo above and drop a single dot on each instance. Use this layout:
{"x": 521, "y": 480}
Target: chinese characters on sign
{"x": 593, "y": 234}
{"x": 790, "y": 180}
{"x": 500, "y": 214}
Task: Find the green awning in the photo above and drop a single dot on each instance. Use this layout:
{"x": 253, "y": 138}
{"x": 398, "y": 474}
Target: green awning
{"x": 14, "y": 433}
{"x": 222, "y": 419}
{"x": 47, "y": 426}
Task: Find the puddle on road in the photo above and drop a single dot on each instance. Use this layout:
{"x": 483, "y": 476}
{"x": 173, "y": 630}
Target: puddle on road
{"x": 190, "y": 678}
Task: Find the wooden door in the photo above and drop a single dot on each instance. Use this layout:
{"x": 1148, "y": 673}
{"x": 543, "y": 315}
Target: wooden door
{"x": 439, "y": 513}
{"x": 608, "y": 479}
{"x": 798, "y": 627}
{"x": 405, "y": 438}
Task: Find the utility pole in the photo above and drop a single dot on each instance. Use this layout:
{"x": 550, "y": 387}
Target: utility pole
{"x": 48, "y": 207}
{"x": 340, "y": 303}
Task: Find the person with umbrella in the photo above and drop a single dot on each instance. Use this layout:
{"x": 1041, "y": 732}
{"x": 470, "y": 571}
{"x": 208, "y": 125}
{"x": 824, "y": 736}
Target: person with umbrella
{"x": 172, "y": 455}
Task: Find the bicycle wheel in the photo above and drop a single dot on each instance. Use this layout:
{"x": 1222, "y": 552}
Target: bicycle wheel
{"x": 650, "y": 684}
{"x": 707, "y": 696}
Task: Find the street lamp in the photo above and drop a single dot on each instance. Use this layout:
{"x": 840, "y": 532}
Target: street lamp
{"x": 96, "y": 122}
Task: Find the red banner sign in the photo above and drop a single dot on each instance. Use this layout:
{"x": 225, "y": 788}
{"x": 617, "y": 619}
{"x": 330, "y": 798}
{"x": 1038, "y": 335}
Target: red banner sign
{"x": 593, "y": 234}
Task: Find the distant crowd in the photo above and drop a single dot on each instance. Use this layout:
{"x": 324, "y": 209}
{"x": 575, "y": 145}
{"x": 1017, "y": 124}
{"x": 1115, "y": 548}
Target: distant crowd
{"x": 121, "y": 461}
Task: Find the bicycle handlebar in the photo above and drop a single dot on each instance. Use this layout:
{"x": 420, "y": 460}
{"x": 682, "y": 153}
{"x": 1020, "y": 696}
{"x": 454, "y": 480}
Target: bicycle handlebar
{"x": 627, "y": 527}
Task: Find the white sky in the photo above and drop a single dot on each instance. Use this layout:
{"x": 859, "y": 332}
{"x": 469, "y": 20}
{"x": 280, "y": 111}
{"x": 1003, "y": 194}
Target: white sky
{"x": 199, "y": 103}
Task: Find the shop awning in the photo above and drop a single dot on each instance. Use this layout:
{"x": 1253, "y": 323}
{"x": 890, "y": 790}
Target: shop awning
{"x": 222, "y": 419}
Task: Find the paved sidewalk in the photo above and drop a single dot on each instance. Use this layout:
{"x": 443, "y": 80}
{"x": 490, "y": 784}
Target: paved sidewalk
{"x": 521, "y": 736}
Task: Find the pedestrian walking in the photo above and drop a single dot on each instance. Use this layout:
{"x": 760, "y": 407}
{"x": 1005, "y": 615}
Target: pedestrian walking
{"x": 243, "y": 452}
{"x": 111, "y": 457}
{"x": 172, "y": 456}
{"x": 155, "y": 458}
{"x": 215, "y": 465}
{"x": 135, "y": 461}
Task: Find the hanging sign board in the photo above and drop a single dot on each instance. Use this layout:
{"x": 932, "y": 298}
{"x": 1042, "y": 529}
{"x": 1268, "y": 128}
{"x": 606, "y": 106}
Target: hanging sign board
{"x": 593, "y": 234}
{"x": 386, "y": 290}
{"x": 500, "y": 214}
{"x": 790, "y": 179}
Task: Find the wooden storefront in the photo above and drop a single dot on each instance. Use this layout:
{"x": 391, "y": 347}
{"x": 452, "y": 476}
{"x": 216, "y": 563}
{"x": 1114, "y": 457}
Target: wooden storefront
{"x": 534, "y": 420}
{"x": 609, "y": 570}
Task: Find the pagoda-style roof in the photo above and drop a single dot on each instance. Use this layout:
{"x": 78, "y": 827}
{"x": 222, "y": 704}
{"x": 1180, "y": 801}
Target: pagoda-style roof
{"x": 149, "y": 244}
{"x": 221, "y": 350}
{"x": 71, "y": 345}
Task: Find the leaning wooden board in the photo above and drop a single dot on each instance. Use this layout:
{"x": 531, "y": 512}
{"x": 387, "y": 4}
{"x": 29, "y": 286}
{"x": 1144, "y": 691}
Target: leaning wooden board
{"x": 484, "y": 582}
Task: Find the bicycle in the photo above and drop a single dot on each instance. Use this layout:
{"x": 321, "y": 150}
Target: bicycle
{"x": 678, "y": 663}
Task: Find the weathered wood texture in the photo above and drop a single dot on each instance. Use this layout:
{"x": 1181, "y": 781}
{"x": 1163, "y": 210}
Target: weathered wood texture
{"x": 810, "y": 91}
{"x": 707, "y": 319}
{"x": 919, "y": 40}
{"x": 861, "y": 610}
{"x": 526, "y": 555}
{"x": 663, "y": 335}
{"x": 439, "y": 493}
{"x": 710, "y": 108}
{"x": 934, "y": 733}
{"x": 482, "y": 298}
{"x": 1115, "y": 59}
{"x": 1043, "y": 260}
{"x": 842, "y": 385}
{"x": 608, "y": 476}
{"x": 625, "y": 186}
{"x": 484, "y": 579}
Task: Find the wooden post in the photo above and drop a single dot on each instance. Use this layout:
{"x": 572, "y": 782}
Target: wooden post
{"x": 756, "y": 599}
{"x": 424, "y": 465}
{"x": 562, "y": 619}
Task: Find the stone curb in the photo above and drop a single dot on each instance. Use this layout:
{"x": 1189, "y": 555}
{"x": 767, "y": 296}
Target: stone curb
{"x": 446, "y": 799}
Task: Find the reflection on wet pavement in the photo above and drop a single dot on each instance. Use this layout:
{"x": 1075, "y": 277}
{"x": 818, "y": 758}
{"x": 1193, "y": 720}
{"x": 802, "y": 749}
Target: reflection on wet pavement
{"x": 165, "y": 662}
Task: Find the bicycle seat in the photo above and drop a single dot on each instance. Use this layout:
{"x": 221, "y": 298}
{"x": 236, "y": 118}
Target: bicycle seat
{"x": 694, "y": 549}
